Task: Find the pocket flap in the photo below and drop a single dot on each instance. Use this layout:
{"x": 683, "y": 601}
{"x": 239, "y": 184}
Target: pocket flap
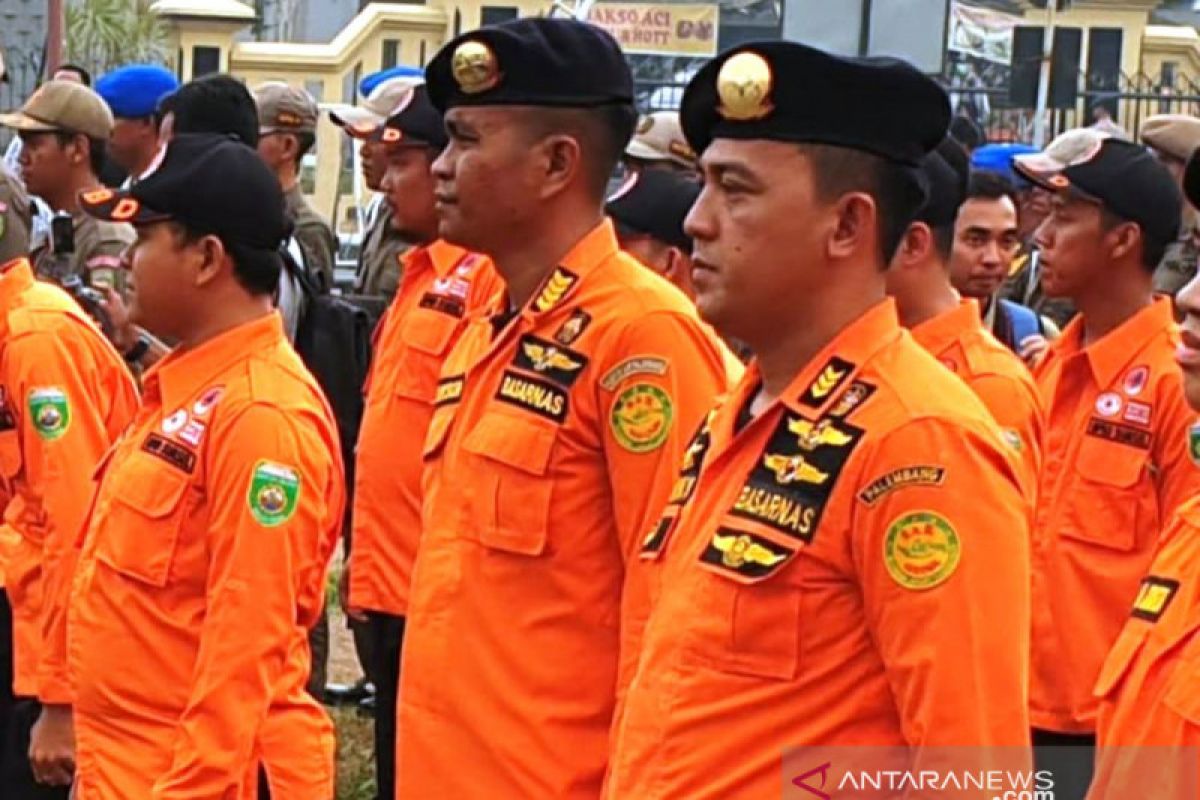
{"x": 1120, "y": 657}
{"x": 1110, "y": 464}
{"x": 429, "y": 332}
{"x": 153, "y": 493}
{"x": 515, "y": 440}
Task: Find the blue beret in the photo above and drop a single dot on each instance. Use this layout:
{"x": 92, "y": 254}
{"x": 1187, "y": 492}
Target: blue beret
{"x": 372, "y": 81}
{"x": 134, "y": 91}
{"x": 999, "y": 158}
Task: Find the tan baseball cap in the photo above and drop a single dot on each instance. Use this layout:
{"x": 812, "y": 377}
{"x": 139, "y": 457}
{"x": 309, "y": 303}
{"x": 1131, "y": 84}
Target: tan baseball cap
{"x": 361, "y": 121}
{"x": 285, "y": 109}
{"x": 1176, "y": 135}
{"x": 1069, "y": 148}
{"x": 659, "y": 137}
{"x": 62, "y": 106}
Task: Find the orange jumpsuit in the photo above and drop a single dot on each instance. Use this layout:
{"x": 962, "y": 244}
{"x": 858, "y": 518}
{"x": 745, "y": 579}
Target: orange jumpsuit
{"x": 850, "y": 568}
{"x": 996, "y": 375}
{"x": 1149, "y": 686}
{"x": 202, "y": 567}
{"x": 1115, "y": 468}
{"x": 442, "y": 285}
{"x": 65, "y": 397}
{"x": 551, "y": 450}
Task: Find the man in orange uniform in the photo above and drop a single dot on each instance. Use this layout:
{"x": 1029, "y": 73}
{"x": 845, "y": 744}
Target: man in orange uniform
{"x": 1116, "y": 451}
{"x": 441, "y": 285}
{"x": 951, "y": 328}
{"x": 558, "y": 423}
{"x": 844, "y": 558}
{"x": 1149, "y": 687}
{"x": 205, "y": 551}
{"x": 65, "y": 396}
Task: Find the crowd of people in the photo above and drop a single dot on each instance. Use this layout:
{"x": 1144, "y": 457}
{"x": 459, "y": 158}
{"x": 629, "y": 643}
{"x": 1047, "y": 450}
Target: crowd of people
{"x": 797, "y": 418}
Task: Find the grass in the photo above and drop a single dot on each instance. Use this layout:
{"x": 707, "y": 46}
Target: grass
{"x": 355, "y": 734}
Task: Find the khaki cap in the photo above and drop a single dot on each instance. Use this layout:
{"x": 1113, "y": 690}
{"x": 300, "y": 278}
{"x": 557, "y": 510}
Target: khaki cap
{"x": 63, "y": 106}
{"x": 285, "y": 109}
{"x": 1069, "y": 148}
{"x": 381, "y": 103}
{"x": 659, "y": 137}
{"x": 1176, "y": 135}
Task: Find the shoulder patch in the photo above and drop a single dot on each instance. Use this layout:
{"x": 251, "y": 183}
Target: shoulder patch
{"x": 915, "y": 475}
{"x": 835, "y": 372}
{"x": 638, "y": 365}
{"x": 641, "y": 418}
{"x": 449, "y": 390}
{"x": 50, "y": 411}
{"x": 921, "y": 550}
{"x": 274, "y": 493}
{"x": 1153, "y": 597}
{"x": 556, "y": 288}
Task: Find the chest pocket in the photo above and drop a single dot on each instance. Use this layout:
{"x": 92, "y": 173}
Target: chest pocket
{"x": 426, "y": 337}
{"x": 750, "y": 608}
{"x": 509, "y": 488}
{"x": 1112, "y": 503}
{"x": 143, "y": 519}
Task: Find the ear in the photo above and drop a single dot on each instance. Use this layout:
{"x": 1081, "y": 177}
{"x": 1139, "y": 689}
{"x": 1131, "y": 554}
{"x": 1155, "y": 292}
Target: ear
{"x": 213, "y": 258}
{"x": 677, "y": 264}
{"x": 1124, "y": 239}
{"x": 291, "y": 145}
{"x": 562, "y": 160}
{"x": 914, "y": 248}
{"x": 856, "y": 224}
{"x": 80, "y": 149}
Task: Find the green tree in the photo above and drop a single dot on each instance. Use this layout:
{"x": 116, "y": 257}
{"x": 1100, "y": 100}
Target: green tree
{"x": 105, "y": 34}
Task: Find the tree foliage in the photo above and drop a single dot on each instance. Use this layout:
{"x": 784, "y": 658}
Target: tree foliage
{"x": 105, "y": 34}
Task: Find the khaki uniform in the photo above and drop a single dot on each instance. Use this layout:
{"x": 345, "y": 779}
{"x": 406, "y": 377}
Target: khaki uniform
{"x": 97, "y": 257}
{"x": 1024, "y": 286}
{"x": 14, "y": 218}
{"x": 315, "y": 237}
{"x": 379, "y": 259}
{"x": 1178, "y": 265}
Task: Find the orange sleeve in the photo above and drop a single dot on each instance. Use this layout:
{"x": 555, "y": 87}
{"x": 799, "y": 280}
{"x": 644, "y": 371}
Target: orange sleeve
{"x": 1178, "y": 476}
{"x": 269, "y": 478}
{"x": 1017, "y": 409}
{"x": 664, "y": 375}
{"x": 58, "y": 461}
{"x": 944, "y": 566}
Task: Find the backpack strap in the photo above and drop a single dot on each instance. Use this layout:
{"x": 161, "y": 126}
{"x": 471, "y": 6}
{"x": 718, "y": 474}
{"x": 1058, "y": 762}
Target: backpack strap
{"x": 1024, "y": 321}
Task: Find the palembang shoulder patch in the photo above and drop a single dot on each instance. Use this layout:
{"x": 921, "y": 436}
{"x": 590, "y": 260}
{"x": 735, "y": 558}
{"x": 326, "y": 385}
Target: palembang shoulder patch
{"x": 50, "y": 411}
{"x": 274, "y": 493}
{"x": 641, "y": 418}
{"x": 921, "y": 550}
{"x": 638, "y": 365}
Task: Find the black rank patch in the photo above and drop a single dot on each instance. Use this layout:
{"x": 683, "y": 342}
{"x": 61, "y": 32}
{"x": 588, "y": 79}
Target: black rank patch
{"x": 658, "y": 536}
{"x": 446, "y": 304}
{"x": 573, "y": 328}
{"x": 449, "y": 391}
{"x": 556, "y": 362}
{"x": 795, "y": 475}
{"x": 533, "y": 394}
{"x": 744, "y": 554}
{"x": 1121, "y": 434}
{"x": 685, "y": 484}
{"x": 1153, "y": 598}
{"x": 7, "y": 421}
{"x": 171, "y": 452}
{"x": 831, "y": 377}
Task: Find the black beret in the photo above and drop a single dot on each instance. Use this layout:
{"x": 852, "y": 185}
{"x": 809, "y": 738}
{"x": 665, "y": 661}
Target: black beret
{"x": 654, "y": 203}
{"x": 531, "y": 62}
{"x": 211, "y": 182}
{"x": 791, "y": 92}
{"x": 1126, "y": 179}
{"x": 947, "y": 170}
{"x": 415, "y": 121}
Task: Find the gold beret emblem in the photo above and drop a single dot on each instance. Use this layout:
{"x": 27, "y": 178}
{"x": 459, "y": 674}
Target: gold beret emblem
{"x": 474, "y": 67}
{"x": 744, "y": 87}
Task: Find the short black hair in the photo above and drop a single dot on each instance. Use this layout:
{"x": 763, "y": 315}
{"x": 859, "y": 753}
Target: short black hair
{"x": 214, "y": 104}
{"x": 966, "y": 132}
{"x": 97, "y": 149}
{"x": 1152, "y": 250}
{"x": 895, "y": 188}
{"x": 85, "y": 77}
{"x": 943, "y": 240}
{"x": 604, "y": 132}
{"x": 256, "y": 269}
{"x": 989, "y": 185}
